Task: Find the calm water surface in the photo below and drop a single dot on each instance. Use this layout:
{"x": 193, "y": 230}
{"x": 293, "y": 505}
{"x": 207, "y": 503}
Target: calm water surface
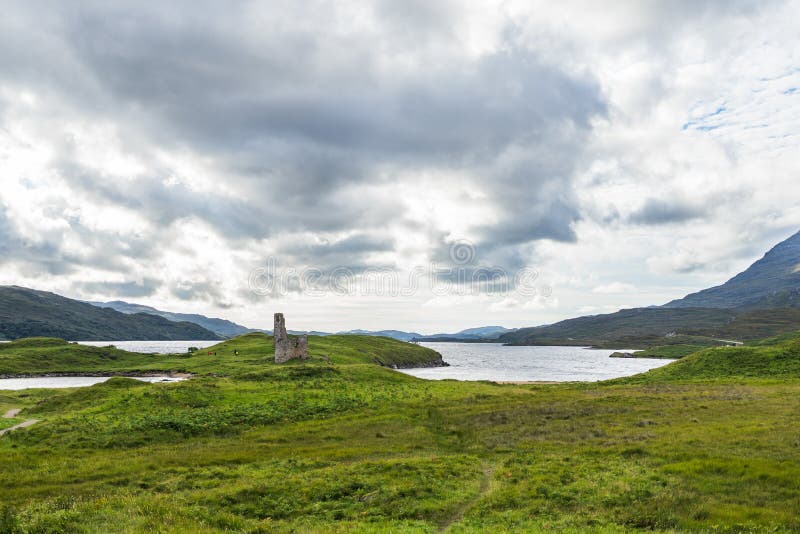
{"x": 495, "y": 362}
{"x": 152, "y": 347}
{"x": 57, "y": 382}
{"x": 468, "y": 361}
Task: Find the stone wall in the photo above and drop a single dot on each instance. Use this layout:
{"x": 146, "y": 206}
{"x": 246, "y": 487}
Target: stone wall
{"x": 288, "y": 348}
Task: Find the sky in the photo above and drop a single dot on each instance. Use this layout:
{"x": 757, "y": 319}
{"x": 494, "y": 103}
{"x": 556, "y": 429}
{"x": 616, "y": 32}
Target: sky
{"x": 424, "y": 166}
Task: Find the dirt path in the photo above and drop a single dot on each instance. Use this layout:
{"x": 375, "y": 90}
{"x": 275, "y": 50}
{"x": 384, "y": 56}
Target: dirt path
{"x": 27, "y": 423}
{"x": 11, "y": 414}
{"x": 485, "y": 489}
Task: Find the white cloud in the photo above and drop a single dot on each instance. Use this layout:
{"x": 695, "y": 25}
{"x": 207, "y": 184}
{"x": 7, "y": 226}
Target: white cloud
{"x": 654, "y": 145}
{"x": 614, "y": 288}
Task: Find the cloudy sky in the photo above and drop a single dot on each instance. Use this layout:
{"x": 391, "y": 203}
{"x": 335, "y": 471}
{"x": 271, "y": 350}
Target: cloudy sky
{"x": 418, "y": 165}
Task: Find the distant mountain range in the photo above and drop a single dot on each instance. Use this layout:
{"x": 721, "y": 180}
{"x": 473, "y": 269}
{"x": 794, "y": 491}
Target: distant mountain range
{"x": 221, "y": 327}
{"x": 482, "y": 333}
{"x": 470, "y": 334}
{"x": 226, "y": 328}
{"x": 762, "y": 301}
{"x": 27, "y": 313}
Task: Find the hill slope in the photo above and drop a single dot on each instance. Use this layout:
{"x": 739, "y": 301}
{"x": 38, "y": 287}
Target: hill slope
{"x": 773, "y": 281}
{"x": 619, "y": 326}
{"x": 249, "y": 353}
{"x": 778, "y": 361}
{"x": 221, "y": 327}
{"x": 760, "y": 302}
{"x": 646, "y": 327}
{"x": 28, "y": 313}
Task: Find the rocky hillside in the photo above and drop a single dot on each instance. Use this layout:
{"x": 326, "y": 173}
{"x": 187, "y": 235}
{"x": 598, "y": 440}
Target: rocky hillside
{"x": 771, "y": 282}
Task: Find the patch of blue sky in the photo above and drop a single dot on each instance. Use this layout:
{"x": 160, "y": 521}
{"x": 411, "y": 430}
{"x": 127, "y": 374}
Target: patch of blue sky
{"x": 786, "y": 74}
{"x": 698, "y": 123}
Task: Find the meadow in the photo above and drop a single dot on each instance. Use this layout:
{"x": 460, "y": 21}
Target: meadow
{"x": 709, "y": 443}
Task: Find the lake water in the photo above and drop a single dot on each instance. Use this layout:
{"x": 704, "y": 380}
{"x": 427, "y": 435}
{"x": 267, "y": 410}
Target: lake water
{"x": 498, "y": 363}
{"x": 152, "y": 347}
{"x": 468, "y": 361}
{"x": 58, "y": 382}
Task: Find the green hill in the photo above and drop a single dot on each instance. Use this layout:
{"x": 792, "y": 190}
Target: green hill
{"x": 648, "y": 327}
{"x": 624, "y": 326}
{"x": 29, "y": 313}
{"x": 775, "y": 360}
{"x": 244, "y": 354}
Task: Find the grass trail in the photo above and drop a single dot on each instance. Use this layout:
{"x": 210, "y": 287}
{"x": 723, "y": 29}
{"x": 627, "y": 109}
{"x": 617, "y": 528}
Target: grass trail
{"x": 486, "y": 486}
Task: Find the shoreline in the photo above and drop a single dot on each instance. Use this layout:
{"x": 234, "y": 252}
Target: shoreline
{"x": 418, "y": 365}
{"x": 109, "y": 374}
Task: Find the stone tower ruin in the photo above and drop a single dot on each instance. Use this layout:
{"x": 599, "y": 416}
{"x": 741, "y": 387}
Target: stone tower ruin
{"x": 288, "y": 348}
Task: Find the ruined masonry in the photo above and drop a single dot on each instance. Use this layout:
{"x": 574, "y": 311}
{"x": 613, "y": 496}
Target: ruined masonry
{"x": 288, "y": 348}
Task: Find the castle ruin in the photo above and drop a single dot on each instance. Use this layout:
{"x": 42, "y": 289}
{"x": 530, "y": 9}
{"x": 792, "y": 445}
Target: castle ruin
{"x": 288, "y": 348}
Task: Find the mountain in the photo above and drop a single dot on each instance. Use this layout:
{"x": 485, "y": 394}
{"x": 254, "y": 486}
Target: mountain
{"x": 771, "y": 282}
{"x": 762, "y": 301}
{"x": 624, "y": 324}
{"x": 29, "y": 313}
{"x": 470, "y": 334}
{"x": 646, "y": 327}
{"x": 483, "y": 332}
{"x": 221, "y": 327}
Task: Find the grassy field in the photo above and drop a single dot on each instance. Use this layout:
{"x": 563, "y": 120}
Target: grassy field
{"x": 668, "y": 352}
{"x": 709, "y": 443}
{"x": 244, "y": 354}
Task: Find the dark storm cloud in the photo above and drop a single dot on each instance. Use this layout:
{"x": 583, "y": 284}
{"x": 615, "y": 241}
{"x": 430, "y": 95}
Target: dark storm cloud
{"x": 196, "y": 290}
{"x": 656, "y": 211}
{"x": 336, "y": 252}
{"x": 48, "y": 254}
{"x": 292, "y": 113}
{"x": 131, "y": 289}
{"x": 7, "y": 234}
{"x": 165, "y": 203}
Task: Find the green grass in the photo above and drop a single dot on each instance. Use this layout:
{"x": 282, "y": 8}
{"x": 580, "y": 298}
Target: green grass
{"x": 46, "y": 355}
{"x": 780, "y": 361}
{"x": 708, "y": 444}
{"x": 668, "y": 352}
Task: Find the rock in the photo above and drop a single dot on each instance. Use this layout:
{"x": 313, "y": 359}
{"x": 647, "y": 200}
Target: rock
{"x": 288, "y": 348}
{"x": 622, "y": 355}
